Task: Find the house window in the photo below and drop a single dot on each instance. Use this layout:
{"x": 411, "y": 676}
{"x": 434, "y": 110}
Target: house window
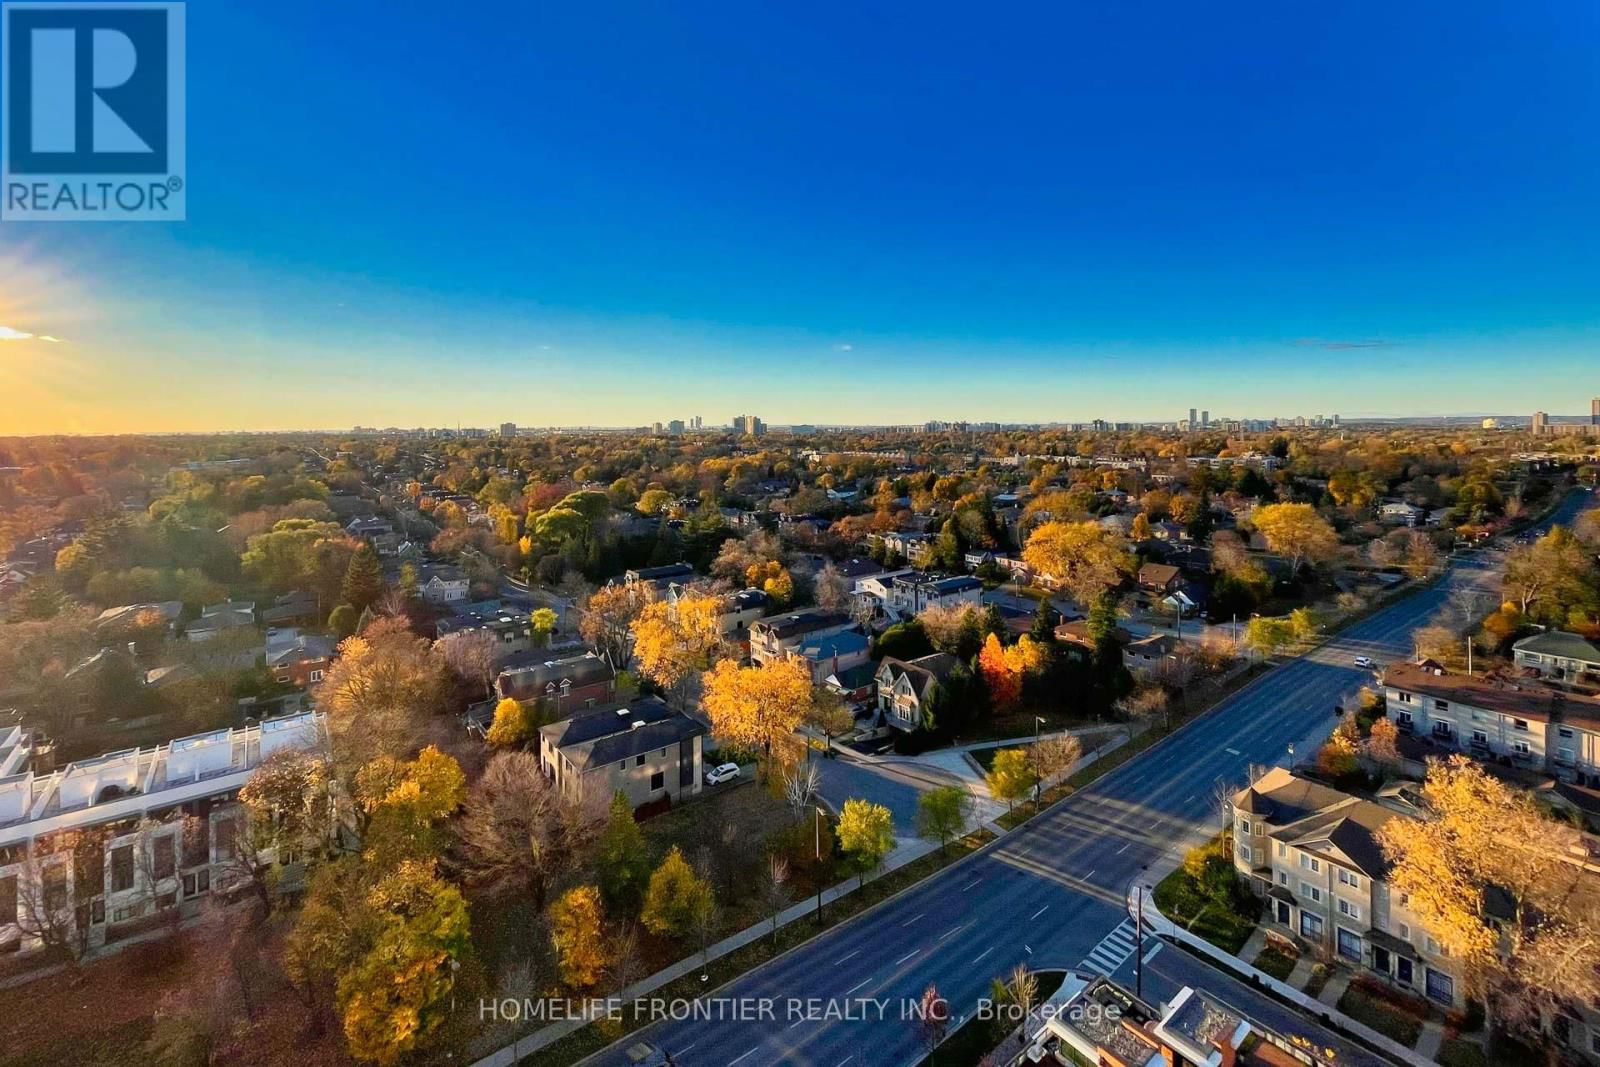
{"x": 1283, "y": 877}
{"x": 1442, "y": 729}
{"x": 316, "y": 676}
{"x": 1349, "y": 944}
{"x": 1310, "y": 892}
{"x": 1351, "y": 880}
{"x": 1310, "y": 864}
{"x": 196, "y": 882}
{"x": 1283, "y": 850}
{"x": 1479, "y": 737}
{"x": 1564, "y": 732}
{"x": 1310, "y": 925}
{"x": 638, "y": 761}
{"x": 1404, "y": 698}
{"x": 1405, "y": 931}
{"x": 658, "y": 780}
{"x": 1404, "y": 718}
{"x": 1349, "y": 909}
{"x": 1244, "y": 826}
{"x": 1520, "y": 747}
{"x": 163, "y": 857}
{"x": 1441, "y": 987}
{"x": 121, "y": 868}
{"x": 1520, "y": 724}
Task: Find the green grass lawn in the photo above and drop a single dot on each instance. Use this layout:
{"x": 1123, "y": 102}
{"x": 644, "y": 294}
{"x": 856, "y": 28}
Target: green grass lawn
{"x": 1364, "y": 1006}
{"x": 1276, "y": 963}
{"x": 1459, "y": 1052}
{"x": 1185, "y": 899}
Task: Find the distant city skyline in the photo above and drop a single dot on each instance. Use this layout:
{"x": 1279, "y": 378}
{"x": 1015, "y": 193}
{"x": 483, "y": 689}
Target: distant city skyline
{"x": 1253, "y": 211}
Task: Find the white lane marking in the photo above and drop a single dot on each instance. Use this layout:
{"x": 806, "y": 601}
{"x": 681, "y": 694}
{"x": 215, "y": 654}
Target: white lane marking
{"x": 1148, "y": 956}
{"x": 1038, "y": 913}
{"x": 853, "y": 988}
{"x": 1030, "y": 950}
{"x": 796, "y": 1023}
{"x": 745, "y": 1056}
{"x": 841, "y": 959}
{"x": 913, "y": 919}
{"x": 844, "y": 1061}
{"x": 907, "y": 956}
{"x": 1090, "y": 875}
{"x": 685, "y": 1048}
{"x": 1124, "y": 848}
{"x": 970, "y": 884}
{"x": 1231, "y": 751}
{"x": 954, "y": 930}
{"x": 984, "y": 953}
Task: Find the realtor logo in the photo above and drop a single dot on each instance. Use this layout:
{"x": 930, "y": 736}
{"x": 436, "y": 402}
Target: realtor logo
{"x": 92, "y": 100}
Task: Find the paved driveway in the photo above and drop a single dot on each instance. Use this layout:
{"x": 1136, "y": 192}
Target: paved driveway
{"x": 895, "y": 783}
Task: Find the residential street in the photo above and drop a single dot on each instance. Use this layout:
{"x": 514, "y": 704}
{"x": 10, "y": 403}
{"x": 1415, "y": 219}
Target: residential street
{"x": 1049, "y": 894}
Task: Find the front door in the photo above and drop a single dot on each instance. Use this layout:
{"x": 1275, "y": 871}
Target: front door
{"x": 1283, "y": 913}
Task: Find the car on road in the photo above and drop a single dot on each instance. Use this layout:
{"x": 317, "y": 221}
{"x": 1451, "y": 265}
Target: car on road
{"x": 1365, "y": 662}
{"x": 725, "y": 773}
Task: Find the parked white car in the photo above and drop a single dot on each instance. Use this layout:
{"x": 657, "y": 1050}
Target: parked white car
{"x": 725, "y": 773}
{"x": 1365, "y": 662}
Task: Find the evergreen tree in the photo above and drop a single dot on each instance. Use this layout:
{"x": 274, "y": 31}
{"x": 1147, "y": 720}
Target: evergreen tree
{"x": 363, "y": 579}
{"x": 623, "y": 861}
{"x": 1044, "y": 624}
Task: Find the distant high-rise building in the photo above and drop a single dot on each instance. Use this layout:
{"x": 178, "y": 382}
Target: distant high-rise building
{"x": 657, "y": 429}
{"x": 1541, "y": 422}
{"x": 1193, "y": 422}
{"x": 675, "y": 426}
{"x": 749, "y": 425}
{"x": 508, "y": 429}
{"x": 1594, "y": 412}
{"x": 1205, "y": 420}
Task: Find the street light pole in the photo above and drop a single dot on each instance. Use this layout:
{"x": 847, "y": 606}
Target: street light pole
{"x": 816, "y": 826}
{"x": 1037, "y": 783}
{"x": 1138, "y": 944}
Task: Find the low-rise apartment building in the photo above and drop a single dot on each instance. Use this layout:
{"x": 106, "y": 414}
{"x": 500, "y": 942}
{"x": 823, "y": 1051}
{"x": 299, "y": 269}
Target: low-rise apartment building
{"x": 646, "y": 749}
{"x": 162, "y": 821}
{"x": 1312, "y": 853}
{"x": 1517, "y": 722}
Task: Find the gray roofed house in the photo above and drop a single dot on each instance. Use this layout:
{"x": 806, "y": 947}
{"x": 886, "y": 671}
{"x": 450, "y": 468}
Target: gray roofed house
{"x": 904, "y": 686}
{"x": 570, "y": 682}
{"x": 646, "y": 749}
{"x": 1558, "y": 654}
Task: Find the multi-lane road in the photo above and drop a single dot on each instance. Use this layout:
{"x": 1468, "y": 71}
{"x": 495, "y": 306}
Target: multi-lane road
{"x": 1052, "y": 894}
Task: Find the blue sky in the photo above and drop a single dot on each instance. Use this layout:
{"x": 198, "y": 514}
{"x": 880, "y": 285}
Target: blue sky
{"x": 584, "y": 213}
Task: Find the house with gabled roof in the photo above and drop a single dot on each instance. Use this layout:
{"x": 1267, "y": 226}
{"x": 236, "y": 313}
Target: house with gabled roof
{"x": 904, "y": 687}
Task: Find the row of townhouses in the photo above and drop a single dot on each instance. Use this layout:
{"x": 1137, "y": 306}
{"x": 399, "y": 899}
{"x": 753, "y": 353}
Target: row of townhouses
{"x": 164, "y": 822}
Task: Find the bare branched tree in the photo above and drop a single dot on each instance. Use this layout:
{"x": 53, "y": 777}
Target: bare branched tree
{"x": 800, "y": 785}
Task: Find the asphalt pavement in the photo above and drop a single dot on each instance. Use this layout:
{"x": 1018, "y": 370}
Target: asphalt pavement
{"x": 1050, "y": 895}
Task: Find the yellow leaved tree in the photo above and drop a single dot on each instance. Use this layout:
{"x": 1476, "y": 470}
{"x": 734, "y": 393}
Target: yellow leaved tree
{"x": 757, "y": 706}
{"x": 1080, "y": 557}
{"x": 672, "y": 640}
